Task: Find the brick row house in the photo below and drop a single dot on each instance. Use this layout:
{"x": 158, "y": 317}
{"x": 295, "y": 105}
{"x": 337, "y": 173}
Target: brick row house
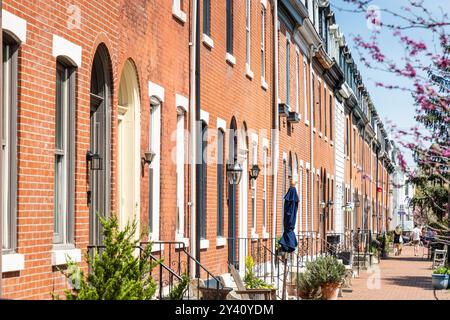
{"x": 194, "y": 123}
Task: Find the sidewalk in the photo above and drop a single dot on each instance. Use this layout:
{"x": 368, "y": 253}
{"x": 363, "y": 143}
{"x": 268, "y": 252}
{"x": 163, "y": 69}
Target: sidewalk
{"x": 397, "y": 278}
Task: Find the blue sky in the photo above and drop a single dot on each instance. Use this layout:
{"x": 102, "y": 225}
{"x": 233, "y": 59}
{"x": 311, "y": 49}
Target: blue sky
{"x": 394, "y": 105}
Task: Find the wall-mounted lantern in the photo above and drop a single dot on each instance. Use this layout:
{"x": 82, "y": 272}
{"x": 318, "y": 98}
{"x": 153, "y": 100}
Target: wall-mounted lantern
{"x": 254, "y": 172}
{"x": 95, "y": 161}
{"x": 234, "y": 173}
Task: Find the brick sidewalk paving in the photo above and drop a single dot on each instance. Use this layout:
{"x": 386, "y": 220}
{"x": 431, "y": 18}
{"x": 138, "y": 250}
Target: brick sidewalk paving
{"x": 396, "y": 278}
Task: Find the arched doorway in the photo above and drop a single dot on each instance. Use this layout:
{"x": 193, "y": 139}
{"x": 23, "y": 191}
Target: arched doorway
{"x": 98, "y": 156}
{"x": 243, "y": 197}
{"x": 128, "y": 157}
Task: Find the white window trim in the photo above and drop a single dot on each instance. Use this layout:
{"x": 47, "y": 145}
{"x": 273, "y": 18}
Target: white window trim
{"x": 248, "y": 37}
{"x": 204, "y": 244}
{"x": 230, "y": 58}
{"x": 15, "y": 25}
{"x": 221, "y": 241}
{"x": 62, "y": 256}
{"x": 297, "y": 80}
{"x": 305, "y": 90}
{"x": 177, "y": 12}
{"x": 221, "y": 124}
{"x": 248, "y": 72}
{"x": 264, "y": 84}
{"x": 204, "y": 116}
{"x": 254, "y": 143}
{"x": 207, "y": 41}
{"x": 180, "y": 162}
{"x": 63, "y": 47}
{"x": 12, "y": 262}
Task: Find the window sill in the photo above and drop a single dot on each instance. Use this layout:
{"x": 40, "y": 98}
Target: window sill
{"x": 331, "y": 143}
{"x": 204, "y": 244}
{"x": 249, "y": 72}
{"x": 185, "y": 241}
{"x": 62, "y": 256}
{"x": 221, "y": 241}
{"x": 179, "y": 14}
{"x": 157, "y": 247}
{"x": 13, "y": 262}
{"x": 255, "y": 236}
{"x": 306, "y": 122}
{"x": 207, "y": 41}
{"x": 326, "y": 139}
{"x": 314, "y": 130}
{"x": 320, "y": 135}
{"x": 230, "y": 59}
{"x": 265, "y": 235}
{"x": 264, "y": 84}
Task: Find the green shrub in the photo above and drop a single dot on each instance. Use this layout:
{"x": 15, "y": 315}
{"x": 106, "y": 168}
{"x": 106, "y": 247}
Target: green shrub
{"x": 307, "y": 285}
{"x": 177, "y": 293}
{"x": 441, "y": 270}
{"x": 250, "y": 280}
{"x": 117, "y": 272}
{"x": 326, "y": 270}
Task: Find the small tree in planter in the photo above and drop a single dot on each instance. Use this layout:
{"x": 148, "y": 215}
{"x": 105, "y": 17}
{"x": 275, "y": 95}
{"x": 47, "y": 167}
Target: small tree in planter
{"x": 440, "y": 278}
{"x": 117, "y": 273}
{"x": 329, "y": 274}
{"x": 308, "y": 287}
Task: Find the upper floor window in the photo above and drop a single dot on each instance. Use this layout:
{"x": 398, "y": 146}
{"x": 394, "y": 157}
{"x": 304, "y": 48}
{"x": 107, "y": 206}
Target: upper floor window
{"x": 263, "y": 41}
{"x": 9, "y": 144}
{"x": 330, "y": 105}
{"x": 64, "y": 154}
{"x": 230, "y": 26}
{"x": 207, "y": 17}
{"x": 220, "y": 181}
{"x": 247, "y": 31}
{"x": 305, "y": 88}
{"x": 288, "y": 71}
{"x": 297, "y": 84}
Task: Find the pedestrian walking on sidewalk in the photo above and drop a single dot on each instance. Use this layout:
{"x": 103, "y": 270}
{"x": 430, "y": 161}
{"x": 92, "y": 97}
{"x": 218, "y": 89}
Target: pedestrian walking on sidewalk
{"x": 398, "y": 241}
{"x": 415, "y": 237}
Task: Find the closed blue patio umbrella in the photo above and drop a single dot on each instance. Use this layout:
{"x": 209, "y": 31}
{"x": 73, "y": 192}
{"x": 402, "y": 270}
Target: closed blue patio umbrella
{"x": 288, "y": 240}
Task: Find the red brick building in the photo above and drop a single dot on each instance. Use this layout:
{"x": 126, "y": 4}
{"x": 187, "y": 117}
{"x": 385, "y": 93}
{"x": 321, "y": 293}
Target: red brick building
{"x": 100, "y": 103}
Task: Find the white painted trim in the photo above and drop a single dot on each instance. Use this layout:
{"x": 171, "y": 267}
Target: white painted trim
{"x": 265, "y": 235}
{"x": 248, "y": 71}
{"x": 207, "y": 41}
{"x": 62, "y": 256}
{"x": 301, "y": 163}
{"x": 308, "y": 166}
{"x": 157, "y": 247}
{"x": 288, "y": 36}
{"x": 264, "y": 3}
{"x": 65, "y": 48}
{"x": 15, "y": 25}
{"x": 230, "y": 58}
{"x": 182, "y": 101}
{"x": 179, "y": 14}
{"x": 254, "y": 138}
{"x": 204, "y": 244}
{"x": 221, "y": 124}
{"x": 221, "y": 241}
{"x": 13, "y": 262}
{"x": 181, "y": 239}
{"x": 265, "y": 143}
{"x": 155, "y": 90}
{"x": 204, "y": 116}
{"x": 284, "y": 156}
{"x": 264, "y": 84}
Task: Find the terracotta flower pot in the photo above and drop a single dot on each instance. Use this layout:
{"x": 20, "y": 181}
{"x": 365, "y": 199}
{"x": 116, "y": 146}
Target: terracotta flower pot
{"x": 330, "y": 291}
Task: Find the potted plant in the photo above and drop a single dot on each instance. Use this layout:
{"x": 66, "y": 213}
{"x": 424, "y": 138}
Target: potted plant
{"x": 440, "y": 278}
{"x": 308, "y": 287}
{"x": 329, "y": 274}
{"x": 278, "y": 251}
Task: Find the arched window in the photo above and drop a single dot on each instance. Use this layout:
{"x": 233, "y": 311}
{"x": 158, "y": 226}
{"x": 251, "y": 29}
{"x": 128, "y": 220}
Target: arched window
{"x": 220, "y": 180}
{"x": 64, "y": 153}
{"x": 9, "y": 143}
{"x": 203, "y": 183}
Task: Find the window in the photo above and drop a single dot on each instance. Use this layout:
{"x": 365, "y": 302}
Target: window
{"x": 220, "y": 181}
{"x": 325, "y": 113}
{"x": 180, "y": 160}
{"x": 300, "y": 194}
{"x": 305, "y": 88}
{"x": 264, "y": 198}
{"x": 203, "y": 182}
{"x": 313, "y": 95}
{"x": 253, "y": 186}
{"x": 263, "y": 41}
{"x": 230, "y": 26}
{"x": 308, "y": 198}
{"x": 288, "y": 71}
{"x": 247, "y": 31}
{"x": 283, "y": 192}
{"x": 207, "y": 17}
{"x": 297, "y": 84}
{"x": 64, "y": 154}
{"x": 9, "y": 144}
{"x": 154, "y": 169}
{"x": 354, "y": 145}
{"x": 347, "y": 137}
{"x": 320, "y": 106}
{"x": 330, "y": 105}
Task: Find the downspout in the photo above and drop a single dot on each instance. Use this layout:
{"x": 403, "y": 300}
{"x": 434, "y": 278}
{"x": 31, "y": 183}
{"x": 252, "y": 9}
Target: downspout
{"x": 198, "y": 141}
{"x": 193, "y": 125}
{"x": 275, "y": 133}
{"x": 311, "y": 134}
{"x": 1, "y": 164}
